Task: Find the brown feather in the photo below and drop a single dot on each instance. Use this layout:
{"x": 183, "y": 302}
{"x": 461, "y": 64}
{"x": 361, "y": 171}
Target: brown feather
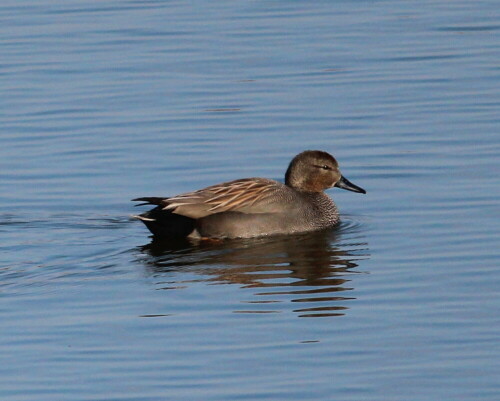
{"x": 230, "y": 196}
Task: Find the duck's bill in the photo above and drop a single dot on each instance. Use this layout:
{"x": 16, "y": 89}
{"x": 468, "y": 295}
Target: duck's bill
{"x": 344, "y": 183}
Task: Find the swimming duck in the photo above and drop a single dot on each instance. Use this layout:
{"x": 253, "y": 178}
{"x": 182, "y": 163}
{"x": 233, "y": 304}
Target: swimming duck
{"x": 253, "y": 207}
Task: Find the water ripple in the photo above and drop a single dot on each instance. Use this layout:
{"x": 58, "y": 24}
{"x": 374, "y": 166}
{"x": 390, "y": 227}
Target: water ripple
{"x": 294, "y": 269}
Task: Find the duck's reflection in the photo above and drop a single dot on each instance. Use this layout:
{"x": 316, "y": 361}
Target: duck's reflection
{"x": 312, "y": 269}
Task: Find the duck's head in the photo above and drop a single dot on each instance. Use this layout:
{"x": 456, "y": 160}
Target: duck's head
{"x": 315, "y": 171}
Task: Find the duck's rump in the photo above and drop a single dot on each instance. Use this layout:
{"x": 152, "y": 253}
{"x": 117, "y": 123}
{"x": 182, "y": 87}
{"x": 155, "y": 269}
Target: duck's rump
{"x": 164, "y": 223}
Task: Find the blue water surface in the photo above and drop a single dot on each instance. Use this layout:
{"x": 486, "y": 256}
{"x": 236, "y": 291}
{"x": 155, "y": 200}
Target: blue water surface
{"x": 106, "y": 101}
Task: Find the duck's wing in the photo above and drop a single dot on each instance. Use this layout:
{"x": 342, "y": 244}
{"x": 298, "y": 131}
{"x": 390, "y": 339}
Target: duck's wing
{"x": 248, "y": 195}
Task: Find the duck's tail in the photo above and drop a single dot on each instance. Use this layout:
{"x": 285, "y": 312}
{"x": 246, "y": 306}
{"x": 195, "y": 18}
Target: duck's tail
{"x": 141, "y": 217}
{"x": 149, "y": 200}
{"x": 164, "y": 223}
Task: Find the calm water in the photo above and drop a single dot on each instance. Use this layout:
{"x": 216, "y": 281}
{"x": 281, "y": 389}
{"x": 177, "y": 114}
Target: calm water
{"x": 105, "y": 101}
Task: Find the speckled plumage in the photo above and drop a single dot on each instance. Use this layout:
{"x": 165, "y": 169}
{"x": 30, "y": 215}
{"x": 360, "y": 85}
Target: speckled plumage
{"x": 253, "y": 207}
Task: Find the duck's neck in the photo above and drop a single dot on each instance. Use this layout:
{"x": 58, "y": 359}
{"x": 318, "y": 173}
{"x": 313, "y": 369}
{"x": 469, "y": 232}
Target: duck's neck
{"x": 325, "y": 209}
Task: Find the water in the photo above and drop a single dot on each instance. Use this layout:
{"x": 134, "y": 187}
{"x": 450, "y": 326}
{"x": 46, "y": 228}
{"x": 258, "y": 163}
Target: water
{"x": 103, "y": 102}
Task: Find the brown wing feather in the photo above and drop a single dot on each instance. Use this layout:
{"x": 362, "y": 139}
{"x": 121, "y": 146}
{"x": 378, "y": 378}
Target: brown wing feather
{"x": 247, "y": 195}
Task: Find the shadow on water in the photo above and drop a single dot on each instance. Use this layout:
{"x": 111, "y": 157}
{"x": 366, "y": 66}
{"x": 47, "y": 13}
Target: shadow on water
{"x": 312, "y": 270}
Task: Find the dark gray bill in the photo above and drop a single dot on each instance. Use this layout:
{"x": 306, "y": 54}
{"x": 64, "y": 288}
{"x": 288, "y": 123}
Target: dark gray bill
{"x": 344, "y": 183}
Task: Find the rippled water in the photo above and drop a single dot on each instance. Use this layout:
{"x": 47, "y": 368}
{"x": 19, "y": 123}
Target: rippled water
{"x": 106, "y": 101}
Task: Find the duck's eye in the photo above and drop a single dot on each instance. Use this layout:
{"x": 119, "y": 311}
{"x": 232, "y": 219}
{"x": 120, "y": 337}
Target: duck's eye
{"x": 323, "y": 166}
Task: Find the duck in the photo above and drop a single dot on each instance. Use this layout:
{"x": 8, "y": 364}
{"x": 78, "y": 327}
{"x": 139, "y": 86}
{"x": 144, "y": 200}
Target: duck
{"x": 253, "y": 207}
